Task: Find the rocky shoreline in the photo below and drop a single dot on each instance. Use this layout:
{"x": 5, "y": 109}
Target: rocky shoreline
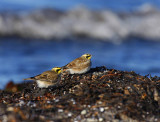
{"x": 99, "y": 95}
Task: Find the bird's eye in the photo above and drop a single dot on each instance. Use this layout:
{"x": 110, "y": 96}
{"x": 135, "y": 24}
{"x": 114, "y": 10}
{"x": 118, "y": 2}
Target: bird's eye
{"x": 58, "y": 70}
{"x": 87, "y": 57}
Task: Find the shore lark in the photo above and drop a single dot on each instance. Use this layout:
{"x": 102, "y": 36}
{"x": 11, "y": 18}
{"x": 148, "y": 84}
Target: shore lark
{"x": 79, "y": 65}
{"x": 47, "y": 78}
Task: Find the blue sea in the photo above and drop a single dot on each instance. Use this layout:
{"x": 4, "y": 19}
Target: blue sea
{"x": 25, "y": 57}
{"x": 115, "y": 5}
{"x": 22, "y": 59}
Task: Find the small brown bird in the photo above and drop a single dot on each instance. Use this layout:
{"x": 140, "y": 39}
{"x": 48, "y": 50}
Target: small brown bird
{"x": 47, "y": 78}
{"x": 79, "y": 65}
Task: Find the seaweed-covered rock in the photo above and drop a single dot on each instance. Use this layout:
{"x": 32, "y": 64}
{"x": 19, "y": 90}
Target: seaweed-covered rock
{"x": 99, "y": 95}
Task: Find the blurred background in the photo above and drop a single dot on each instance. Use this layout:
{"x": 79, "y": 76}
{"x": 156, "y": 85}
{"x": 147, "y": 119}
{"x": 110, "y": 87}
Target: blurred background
{"x": 38, "y": 35}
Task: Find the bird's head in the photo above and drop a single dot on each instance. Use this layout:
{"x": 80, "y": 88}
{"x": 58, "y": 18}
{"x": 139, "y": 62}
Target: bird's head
{"x": 57, "y": 70}
{"x": 87, "y": 56}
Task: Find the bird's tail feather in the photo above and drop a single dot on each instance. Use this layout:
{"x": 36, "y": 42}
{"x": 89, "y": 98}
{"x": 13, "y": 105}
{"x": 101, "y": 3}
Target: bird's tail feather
{"x": 31, "y": 78}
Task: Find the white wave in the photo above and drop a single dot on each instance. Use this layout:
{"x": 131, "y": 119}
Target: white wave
{"x": 80, "y": 21}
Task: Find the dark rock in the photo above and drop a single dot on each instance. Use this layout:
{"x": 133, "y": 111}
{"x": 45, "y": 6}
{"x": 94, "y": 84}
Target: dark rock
{"x": 99, "y": 95}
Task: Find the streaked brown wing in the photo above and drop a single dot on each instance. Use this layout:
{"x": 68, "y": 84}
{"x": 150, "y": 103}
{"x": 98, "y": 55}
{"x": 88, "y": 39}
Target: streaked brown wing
{"x": 74, "y": 64}
{"x": 49, "y": 76}
{"x": 32, "y": 78}
{"x": 52, "y": 77}
{"x": 41, "y": 77}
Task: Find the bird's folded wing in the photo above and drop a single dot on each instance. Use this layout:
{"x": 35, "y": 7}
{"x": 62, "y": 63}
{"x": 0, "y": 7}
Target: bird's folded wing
{"x": 35, "y": 77}
{"x": 41, "y": 77}
{"x": 73, "y": 64}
